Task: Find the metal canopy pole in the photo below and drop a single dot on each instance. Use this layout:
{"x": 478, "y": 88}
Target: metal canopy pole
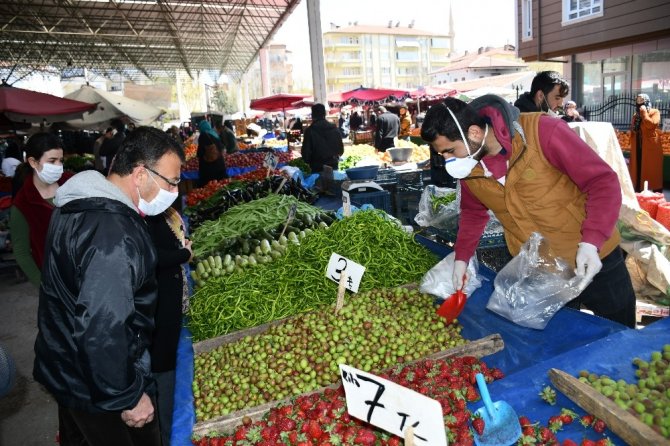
{"x": 316, "y": 51}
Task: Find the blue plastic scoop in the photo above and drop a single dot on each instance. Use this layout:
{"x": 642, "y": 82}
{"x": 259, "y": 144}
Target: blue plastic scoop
{"x": 501, "y": 423}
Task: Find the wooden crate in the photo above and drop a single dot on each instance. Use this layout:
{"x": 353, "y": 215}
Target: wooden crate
{"x": 227, "y": 423}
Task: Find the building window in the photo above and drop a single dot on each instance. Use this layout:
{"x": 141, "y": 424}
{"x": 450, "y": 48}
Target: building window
{"x": 527, "y": 19}
{"x": 578, "y": 10}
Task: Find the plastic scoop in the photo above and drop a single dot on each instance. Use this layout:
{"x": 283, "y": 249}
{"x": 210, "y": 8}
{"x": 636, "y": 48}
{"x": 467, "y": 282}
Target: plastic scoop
{"x": 501, "y": 423}
{"x": 452, "y": 306}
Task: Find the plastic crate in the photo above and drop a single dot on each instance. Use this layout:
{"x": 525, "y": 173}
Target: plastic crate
{"x": 412, "y": 179}
{"x": 386, "y": 176}
{"x": 407, "y": 206}
{"x": 380, "y": 200}
{"x": 361, "y": 137}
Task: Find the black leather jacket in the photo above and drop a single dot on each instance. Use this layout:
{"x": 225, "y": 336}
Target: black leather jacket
{"x": 96, "y": 307}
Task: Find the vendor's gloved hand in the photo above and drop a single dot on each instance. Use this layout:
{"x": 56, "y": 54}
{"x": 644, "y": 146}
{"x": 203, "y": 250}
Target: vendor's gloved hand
{"x": 459, "y": 277}
{"x": 588, "y": 263}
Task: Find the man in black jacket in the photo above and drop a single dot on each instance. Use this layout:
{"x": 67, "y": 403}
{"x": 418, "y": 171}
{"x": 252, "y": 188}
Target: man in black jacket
{"x": 547, "y": 92}
{"x": 98, "y": 295}
{"x": 388, "y": 125}
{"x": 322, "y": 146}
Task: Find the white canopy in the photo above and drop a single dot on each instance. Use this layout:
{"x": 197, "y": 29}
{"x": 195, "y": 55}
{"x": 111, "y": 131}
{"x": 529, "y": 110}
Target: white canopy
{"x": 110, "y": 106}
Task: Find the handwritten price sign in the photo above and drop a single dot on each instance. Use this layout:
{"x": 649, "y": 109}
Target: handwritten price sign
{"x": 392, "y": 407}
{"x": 270, "y": 161}
{"x": 354, "y": 271}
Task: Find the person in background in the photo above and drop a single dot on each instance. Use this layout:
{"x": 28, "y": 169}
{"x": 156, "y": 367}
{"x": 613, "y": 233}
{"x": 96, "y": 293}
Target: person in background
{"x": 536, "y": 175}
{"x": 571, "y": 113}
{"x": 37, "y": 181}
{"x": 405, "y": 124}
{"x": 322, "y": 147}
{"x": 110, "y": 146}
{"x": 13, "y": 157}
{"x": 546, "y": 94}
{"x": 227, "y": 135}
{"x": 355, "y": 122}
{"x": 646, "y": 153}
{"x": 212, "y": 165}
{"x": 387, "y": 125}
{"x": 100, "y": 162}
{"x": 173, "y": 250}
{"x": 98, "y": 295}
{"x": 175, "y": 133}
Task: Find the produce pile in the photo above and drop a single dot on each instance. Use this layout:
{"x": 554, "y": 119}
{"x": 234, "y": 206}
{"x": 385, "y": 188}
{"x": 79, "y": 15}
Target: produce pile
{"x": 624, "y": 141}
{"x": 322, "y": 418}
{"x": 197, "y": 195}
{"x": 303, "y": 353}
{"x": 77, "y": 163}
{"x": 236, "y": 192}
{"x": 649, "y": 398}
{"x": 436, "y": 201}
{"x": 254, "y": 159}
{"x": 269, "y": 213}
{"x": 296, "y": 282}
{"x": 354, "y": 154}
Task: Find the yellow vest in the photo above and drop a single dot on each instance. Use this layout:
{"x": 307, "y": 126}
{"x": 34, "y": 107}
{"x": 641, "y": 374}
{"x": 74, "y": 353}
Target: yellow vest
{"x": 536, "y": 197}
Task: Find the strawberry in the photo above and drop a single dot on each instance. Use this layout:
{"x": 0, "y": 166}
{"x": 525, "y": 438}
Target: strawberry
{"x": 394, "y": 441}
{"x": 568, "y": 442}
{"x": 555, "y": 423}
{"x": 478, "y": 425}
{"x": 599, "y": 426}
{"x": 314, "y": 430}
{"x": 471, "y": 394}
{"x": 547, "y": 435}
{"x": 604, "y": 442}
{"x": 524, "y": 421}
{"x": 586, "y": 420}
{"x": 270, "y": 433}
{"x": 587, "y": 442}
{"x": 241, "y": 433}
{"x": 365, "y": 437}
{"x": 286, "y": 424}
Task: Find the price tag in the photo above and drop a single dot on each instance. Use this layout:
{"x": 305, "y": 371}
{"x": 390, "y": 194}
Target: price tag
{"x": 393, "y": 407}
{"x": 289, "y": 219}
{"x": 270, "y": 161}
{"x": 338, "y": 264}
{"x": 346, "y": 204}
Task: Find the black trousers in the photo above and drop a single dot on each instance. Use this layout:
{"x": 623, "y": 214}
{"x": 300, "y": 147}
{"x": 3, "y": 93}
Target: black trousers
{"x": 79, "y": 428}
{"x": 611, "y": 293}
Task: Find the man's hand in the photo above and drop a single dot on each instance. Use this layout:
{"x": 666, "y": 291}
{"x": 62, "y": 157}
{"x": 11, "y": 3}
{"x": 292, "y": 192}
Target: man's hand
{"x": 459, "y": 276}
{"x": 588, "y": 263}
{"x": 141, "y": 414}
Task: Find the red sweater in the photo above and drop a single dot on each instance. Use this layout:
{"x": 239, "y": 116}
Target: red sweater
{"x": 567, "y": 153}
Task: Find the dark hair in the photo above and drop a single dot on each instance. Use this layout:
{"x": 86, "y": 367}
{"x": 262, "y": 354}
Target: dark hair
{"x": 438, "y": 120}
{"x": 13, "y": 150}
{"x": 144, "y": 146}
{"x": 545, "y": 80}
{"x": 229, "y": 123}
{"x": 318, "y": 111}
{"x": 34, "y": 148}
{"x": 118, "y": 125}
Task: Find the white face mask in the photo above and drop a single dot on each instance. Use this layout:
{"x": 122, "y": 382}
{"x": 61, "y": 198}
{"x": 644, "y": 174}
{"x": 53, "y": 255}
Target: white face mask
{"x": 50, "y": 173}
{"x": 461, "y": 167}
{"x": 550, "y": 112}
{"x": 160, "y": 203}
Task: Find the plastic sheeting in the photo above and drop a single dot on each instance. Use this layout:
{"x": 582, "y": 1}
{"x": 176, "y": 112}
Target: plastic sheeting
{"x": 611, "y": 356}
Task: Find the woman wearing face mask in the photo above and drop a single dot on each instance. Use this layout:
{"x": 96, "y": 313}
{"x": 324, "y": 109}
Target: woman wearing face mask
{"x": 38, "y": 178}
{"x": 646, "y": 153}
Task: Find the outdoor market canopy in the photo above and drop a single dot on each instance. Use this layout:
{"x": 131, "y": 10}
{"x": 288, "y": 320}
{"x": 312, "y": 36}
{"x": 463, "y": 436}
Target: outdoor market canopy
{"x": 363, "y": 94}
{"x": 278, "y": 102}
{"x": 23, "y": 106}
{"x": 111, "y": 106}
{"x": 143, "y": 35}
{"x": 432, "y": 92}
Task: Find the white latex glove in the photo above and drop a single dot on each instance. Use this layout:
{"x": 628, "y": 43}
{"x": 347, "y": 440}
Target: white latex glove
{"x": 588, "y": 263}
{"x": 460, "y": 275}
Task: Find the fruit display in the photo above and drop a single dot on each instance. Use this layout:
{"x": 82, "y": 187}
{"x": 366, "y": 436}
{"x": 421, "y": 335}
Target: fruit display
{"x": 297, "y": 283}
{"x": 254, "y": 159}
{"x": 303, "y": 353}
{"x": 361, "y": 150}
{"x": 203, "y": 193}
{"x": 322, "y": 419}
{"x": 263, "y": 214}
{"x": 624, "y": 141}
{"x": 190, "y": 150}
{"x": 649, "y": 398}
{"x": 237, "y": 192}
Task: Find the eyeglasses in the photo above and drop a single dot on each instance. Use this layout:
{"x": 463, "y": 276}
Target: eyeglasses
{"x": 170, "y": 182}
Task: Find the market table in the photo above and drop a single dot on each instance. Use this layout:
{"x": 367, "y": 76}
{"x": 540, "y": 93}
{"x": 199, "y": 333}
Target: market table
{"x": 524, "y": 347}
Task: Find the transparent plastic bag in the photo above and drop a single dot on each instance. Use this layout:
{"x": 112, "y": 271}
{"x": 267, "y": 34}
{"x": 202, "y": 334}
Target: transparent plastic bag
{"x": 438, "y": 282}
{"x": 533, "y": 286}
{"x": 445, "y": 216}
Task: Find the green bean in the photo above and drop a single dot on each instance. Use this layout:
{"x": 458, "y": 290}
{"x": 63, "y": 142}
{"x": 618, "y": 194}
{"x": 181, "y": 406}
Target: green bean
{"x": 297, "y": 282}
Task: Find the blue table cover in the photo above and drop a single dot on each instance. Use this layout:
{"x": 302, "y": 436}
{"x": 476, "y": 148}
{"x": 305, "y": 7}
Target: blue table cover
{"x": 525, "y": 348}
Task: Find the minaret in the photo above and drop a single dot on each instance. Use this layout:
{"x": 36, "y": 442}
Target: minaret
{"x": 451, "y": 31}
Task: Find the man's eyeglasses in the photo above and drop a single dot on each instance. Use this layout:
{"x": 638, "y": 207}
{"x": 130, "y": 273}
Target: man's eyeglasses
{"x": 170, "y": 182}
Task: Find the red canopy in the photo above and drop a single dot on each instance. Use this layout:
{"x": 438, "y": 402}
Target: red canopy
{"x": 436, "y": 92}
{"x": 370, "y": 94}
{"x": 277, "y": 102}
{"x": 21, "y": 105}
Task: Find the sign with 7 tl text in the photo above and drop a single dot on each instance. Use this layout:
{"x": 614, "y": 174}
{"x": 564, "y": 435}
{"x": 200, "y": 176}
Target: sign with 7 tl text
{"x": 393, "y": 407}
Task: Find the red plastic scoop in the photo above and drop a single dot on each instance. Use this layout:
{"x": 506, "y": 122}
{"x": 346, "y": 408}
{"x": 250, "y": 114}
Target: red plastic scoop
{"x": 451, "y": 308}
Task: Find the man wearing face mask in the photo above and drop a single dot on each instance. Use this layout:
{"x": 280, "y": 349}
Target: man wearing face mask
{"x": 536, "y": 175}
{"x": 547, "y": 92}
{"x": 98, "y": 295}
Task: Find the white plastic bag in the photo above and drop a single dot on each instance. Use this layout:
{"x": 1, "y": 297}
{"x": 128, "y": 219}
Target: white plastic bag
{"x": 445, "y": 216}
{"x": 438, "y": 281}
{"x": 533, "y": 286}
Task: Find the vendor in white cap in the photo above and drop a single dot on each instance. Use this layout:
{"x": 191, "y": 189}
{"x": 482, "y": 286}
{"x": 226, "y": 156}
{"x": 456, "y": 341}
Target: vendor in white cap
{"x": 571, "y": 113}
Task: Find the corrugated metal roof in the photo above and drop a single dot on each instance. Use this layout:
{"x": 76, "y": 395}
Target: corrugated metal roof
{"x": 144, "y": 35}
